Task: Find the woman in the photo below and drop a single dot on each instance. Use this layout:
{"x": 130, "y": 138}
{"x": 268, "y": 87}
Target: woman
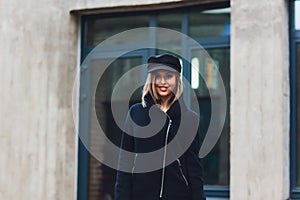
{"x": 181, "y": 179}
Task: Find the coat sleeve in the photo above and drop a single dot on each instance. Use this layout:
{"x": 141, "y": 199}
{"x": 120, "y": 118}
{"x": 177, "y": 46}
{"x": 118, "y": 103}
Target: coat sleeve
{"x": 123, "y": 186}
{"x": 194, "y": 169}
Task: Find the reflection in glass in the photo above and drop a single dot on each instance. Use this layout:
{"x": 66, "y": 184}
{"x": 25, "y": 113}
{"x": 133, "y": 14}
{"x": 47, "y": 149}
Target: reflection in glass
{"x": 169, "y": 21}
{"x": 195, "y": 73}
{"x": 298, "y": 113}
{"x": 297, "y": 15}
{"x": 209, "y": 23}
{"x": 216, "y": 163}
{"x": 101, "y": 177}
{"x": 100, "y": 29}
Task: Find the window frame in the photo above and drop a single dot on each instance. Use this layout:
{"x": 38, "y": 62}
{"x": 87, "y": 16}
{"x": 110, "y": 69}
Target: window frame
{"x": 220, "y": 192}
{"x": 294, "y": 40}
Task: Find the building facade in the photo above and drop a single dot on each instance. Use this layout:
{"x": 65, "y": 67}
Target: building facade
{"x": 54, "y": 101}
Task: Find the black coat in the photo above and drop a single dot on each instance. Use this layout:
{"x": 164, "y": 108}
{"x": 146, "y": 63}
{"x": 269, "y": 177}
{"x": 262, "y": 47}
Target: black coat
{"x": 181, "y": 179}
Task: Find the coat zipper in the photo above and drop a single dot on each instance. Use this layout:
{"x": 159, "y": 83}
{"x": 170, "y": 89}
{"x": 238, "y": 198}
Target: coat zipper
{"x": 134, "y": 163}
{"x": 164, "y": 160}
{"x": 182, "y": 174}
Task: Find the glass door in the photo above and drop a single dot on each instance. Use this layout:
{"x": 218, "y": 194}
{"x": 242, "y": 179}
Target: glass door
{"x": 216, "y": 163}
{"x": 98, "y": 88}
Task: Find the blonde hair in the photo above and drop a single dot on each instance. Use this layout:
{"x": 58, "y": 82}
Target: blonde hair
{"x": 149, "y": 88}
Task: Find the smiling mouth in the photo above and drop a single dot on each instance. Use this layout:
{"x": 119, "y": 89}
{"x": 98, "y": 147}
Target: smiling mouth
{"x": 163, "y": 88}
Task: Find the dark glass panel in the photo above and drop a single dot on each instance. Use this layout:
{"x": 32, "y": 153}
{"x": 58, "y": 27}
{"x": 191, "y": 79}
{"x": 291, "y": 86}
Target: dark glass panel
{"x": 170, "y": 21}
{"x": 102, "y": 177}
{"x": 209, "y": 23}
{"x": 100, "y": 29}
{"x": 216, "y": 163}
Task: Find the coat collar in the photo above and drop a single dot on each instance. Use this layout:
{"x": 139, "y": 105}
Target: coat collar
{"x": 176, "y": 109}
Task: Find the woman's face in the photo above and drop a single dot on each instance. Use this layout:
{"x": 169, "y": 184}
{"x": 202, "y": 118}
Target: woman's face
{"x": 165, "y": 82}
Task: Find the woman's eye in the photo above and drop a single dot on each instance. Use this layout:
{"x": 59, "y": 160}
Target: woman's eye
{"x": 157, "y": 76}
{"x": 169, "y": 76}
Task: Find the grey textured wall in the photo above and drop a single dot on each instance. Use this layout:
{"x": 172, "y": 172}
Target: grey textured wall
{"x": 38, "y": 62}
{"x": 259, "y": 100}
{"x": 38, "y": 65}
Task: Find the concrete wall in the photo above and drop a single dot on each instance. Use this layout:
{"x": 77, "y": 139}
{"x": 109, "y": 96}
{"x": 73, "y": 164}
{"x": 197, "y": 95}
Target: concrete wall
{"x": 38, "y": 66}
{"x": 259, "y": 100}
{"x": 39, "y": 54}
{"x": 91, "y": 4}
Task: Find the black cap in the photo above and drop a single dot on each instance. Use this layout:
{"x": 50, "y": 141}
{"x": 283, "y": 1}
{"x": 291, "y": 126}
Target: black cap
{"x": 165, "y": 62}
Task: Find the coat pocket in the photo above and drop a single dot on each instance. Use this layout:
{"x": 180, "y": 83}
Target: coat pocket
{"x": 181, "y": 172}
{"x": 133, "y": 165}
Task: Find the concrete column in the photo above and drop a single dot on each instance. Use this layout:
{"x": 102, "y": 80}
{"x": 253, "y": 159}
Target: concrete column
{"x": 259, "y": 100}
{"x": 38, "y": 66}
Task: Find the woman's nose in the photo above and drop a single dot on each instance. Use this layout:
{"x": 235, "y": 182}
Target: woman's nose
{"x": 162, "y": 80}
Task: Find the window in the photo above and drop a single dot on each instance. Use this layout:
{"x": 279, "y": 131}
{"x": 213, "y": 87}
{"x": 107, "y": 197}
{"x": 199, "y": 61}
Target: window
{"x": 298, "y": 114}
{"x": 209, "y": 25}
{"x": 99, "y": 29}
{"x": 295, "y": 98}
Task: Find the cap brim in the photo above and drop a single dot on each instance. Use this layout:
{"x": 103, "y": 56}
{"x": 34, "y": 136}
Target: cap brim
{"x": 161, "y": 67}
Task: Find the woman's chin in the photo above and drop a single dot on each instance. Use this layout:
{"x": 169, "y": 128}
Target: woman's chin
{"x": 165, "y": 94}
